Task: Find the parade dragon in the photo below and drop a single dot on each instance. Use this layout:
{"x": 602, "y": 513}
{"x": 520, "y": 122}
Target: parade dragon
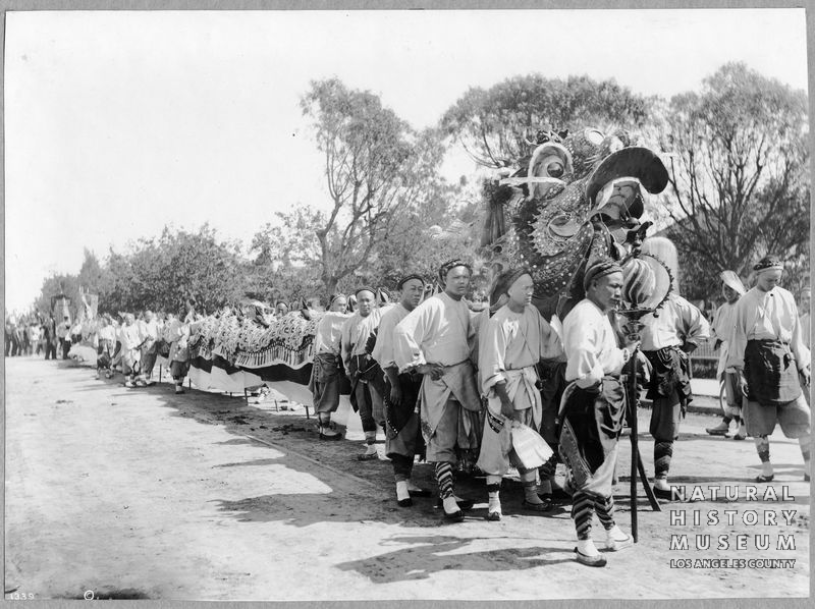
{"x": 575, "y": 198}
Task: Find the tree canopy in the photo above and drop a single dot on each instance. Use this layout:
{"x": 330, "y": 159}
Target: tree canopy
{"x": 739, "y": 182}
{"x": 499, "y": 125}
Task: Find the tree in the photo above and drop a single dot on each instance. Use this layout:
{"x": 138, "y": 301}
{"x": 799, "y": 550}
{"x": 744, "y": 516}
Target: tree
{"x": 499, "y": 126}
{"x": 366, "y": 149}
{"x": 739, "y": 184}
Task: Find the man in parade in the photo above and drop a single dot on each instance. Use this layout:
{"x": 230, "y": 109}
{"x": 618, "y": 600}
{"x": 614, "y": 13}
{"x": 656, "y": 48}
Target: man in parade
{"x": 403, "y": 440}
{"x": 131, "y": 338}
{"x": 326, "y": 371}
{"x": 768, "y": 349}
{"x": 722, "y": 327}
{"x": 515, "y": 340}
{"x": 435, "y": 340}
{"x": 668, "y": 339}
{"x": 594, "y": 407}
{"x": 361, "y": 368}
{"x": 148, "y": 348}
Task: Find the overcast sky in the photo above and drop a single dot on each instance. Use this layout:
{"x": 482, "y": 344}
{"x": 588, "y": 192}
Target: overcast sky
{"x": 118, "y": 123}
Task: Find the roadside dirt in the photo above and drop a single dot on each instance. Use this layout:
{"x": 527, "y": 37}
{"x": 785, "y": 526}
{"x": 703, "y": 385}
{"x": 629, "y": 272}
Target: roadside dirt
{"x": 138, "y": 493}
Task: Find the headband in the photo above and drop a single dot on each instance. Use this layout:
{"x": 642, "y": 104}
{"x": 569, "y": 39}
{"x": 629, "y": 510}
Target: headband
{"x": 364, "y": 288}
{"x": 407, "y": 278}
{"x": 451, "y": 264}
{"x": 600, "y": 269}
{"x": 768, "y": 263}
{"x": 505, "y": 281}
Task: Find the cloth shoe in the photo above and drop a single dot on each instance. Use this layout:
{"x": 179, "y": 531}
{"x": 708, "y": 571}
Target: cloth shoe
{"x": 369, "y": 454}
{"x": 326, "y": 433}
{"x": 666, "y": 494}
{"x": 403, "y": 494}
{"x": 616, "y": 540}
{"x": 719, "y": 430}
{"x": 463, "y": 504}
{"x": 452, "y": 512}
{"x": 590, "y": 561}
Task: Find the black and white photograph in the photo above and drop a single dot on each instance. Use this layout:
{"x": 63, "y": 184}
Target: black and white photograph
{"x": 415, "y": 303}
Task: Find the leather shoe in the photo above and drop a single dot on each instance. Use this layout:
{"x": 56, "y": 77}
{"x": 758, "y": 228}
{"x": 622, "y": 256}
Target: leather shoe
{"x": 404, "y": 502}
{"x": 762, "y": 478}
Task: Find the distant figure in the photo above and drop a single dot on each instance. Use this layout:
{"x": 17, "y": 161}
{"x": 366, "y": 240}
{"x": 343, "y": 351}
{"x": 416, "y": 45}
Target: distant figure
{"x": 724, "y": 320}
{"x": 803, "y": 310}
{"x": 326, "y": 372}
{"x": 281, "y": 309}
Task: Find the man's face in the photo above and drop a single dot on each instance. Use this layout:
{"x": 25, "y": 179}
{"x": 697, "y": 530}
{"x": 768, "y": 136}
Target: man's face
{"x": 606, "y": 292}
{"x": 805, "y": 300}
{"x": 339, "y": 305}
{"x": 148, "y": 316}
{"x": 730, "y": 294}
{"x": 520, "y": 292}
{"x": 457, "y": 281}
{"x": 365, "y": 302}
{"x": 412, "y": 292}
{"x": 129, "y": 319}
{"x": 767, "y": 280}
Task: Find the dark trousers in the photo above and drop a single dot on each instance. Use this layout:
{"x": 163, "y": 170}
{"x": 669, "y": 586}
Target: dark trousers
{"x": 50, "y": 350}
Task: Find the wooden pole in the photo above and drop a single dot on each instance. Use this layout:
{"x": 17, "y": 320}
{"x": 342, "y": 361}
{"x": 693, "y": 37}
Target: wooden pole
{"x": 633, "y": 404}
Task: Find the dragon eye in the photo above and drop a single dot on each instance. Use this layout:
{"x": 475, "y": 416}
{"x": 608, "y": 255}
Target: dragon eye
{"x": 554, "y": 169}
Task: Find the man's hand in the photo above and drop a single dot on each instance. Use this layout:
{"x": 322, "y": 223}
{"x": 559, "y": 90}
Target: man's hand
{"x": 396, "y": 395}
{"x": 806, "y": 376}
{"x": 507, "y": 409}
{"x": 436, "y": 371}
{"x": 632, "y": 345}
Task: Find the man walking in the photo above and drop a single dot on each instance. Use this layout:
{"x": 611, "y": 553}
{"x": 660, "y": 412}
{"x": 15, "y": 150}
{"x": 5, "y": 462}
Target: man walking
{"x": 768, "y": 349}
{"x": 361, "y": 368}
{"x": 403, "y": 440}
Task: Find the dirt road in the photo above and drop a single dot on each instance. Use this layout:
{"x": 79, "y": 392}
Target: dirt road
{"x": 138, "y": 493}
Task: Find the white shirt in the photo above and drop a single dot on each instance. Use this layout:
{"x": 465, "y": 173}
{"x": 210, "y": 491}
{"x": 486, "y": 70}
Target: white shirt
{"x": 590, "y": 345}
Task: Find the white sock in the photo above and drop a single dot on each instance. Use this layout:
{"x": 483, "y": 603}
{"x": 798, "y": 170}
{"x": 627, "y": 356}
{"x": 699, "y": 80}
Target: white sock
{"x": 494, "y": 504}
{"x": 450, "y": 505}
{"x": 371, "y": 450}
{"x": 402, "y": 490}
{"x": 766, "y": 469}
{"x": 616, "y": 533}
{"x": 411, "y": 486}
{"x": 587, "y": 547}
{"x": 662, "y": 484}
